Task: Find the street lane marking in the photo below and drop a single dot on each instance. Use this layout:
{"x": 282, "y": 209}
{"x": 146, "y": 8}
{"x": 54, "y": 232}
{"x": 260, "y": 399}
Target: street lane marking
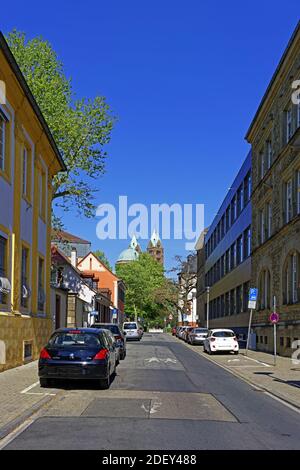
{"x": 152, "y": 359}
{"x": 152, "y": 408}
{"x": 27, "y": 392}
{"x": 165, "y": 361}
{"x": 30, "y": 387}
{"x": 259, "y": 362}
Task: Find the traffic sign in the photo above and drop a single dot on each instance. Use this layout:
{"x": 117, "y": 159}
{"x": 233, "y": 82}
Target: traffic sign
{"x": 274, "y": 317}
{"x": 253, "y": 292}
{"x": 252, "y": 304}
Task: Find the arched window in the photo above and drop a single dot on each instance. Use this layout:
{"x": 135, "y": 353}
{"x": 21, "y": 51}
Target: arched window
{"x": 291, "y": 279}
{"x": 264, "y": 289}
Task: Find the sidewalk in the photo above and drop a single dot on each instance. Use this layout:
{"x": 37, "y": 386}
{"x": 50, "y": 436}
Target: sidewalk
{"x": 20, "y": 396}
{"x": 257, "y": 368}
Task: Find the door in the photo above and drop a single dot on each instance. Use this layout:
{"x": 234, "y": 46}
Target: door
{"x": 57, "y": 312}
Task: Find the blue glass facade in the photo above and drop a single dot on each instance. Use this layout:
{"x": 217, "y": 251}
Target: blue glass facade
{"x": 228, "y": 256}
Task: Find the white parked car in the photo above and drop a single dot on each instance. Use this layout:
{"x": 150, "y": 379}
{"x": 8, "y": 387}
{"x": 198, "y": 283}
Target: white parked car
{"x": 221, "y": 339}
{"x": 132, "y": 330}
{"x": 182, "y": 332}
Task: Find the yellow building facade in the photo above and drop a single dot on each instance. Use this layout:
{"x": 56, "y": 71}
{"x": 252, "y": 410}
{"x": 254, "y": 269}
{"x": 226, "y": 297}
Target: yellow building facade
{"x": 29, "y": 159}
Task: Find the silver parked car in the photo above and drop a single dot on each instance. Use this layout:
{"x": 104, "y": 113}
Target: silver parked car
{"x": 197, "y": 336}
{"x": 132, "y": 331}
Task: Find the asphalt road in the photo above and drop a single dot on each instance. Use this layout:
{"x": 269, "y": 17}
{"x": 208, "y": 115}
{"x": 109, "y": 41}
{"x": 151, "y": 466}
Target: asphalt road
{"x": 165, "y": 396}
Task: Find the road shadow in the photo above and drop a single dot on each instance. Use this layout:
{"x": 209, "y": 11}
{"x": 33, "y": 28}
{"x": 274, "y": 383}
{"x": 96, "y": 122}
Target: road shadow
{"x": 86, "y": 384}
{"x": 291, "y": 383}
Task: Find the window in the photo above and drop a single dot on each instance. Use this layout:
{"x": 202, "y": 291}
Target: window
{"x": 222, "y": 226}
{"x": 227, "y": 262}
{"x": 41, "y": 292}
{"x": 227, "y": 218}
{"x": 24, "y": 277}
{"x": 232, "y": 302}
{"x": 2, "y": 143}
{"x": 291, "y": 279}
{"x": 240, "y": 250}
{"x": 232, "y": 256}
{"x": 262, "y": 225}
{"x": 227, "y": 304}
{"x": 24, "y": 172}
{"x": 269, "y": 214}
{"x": 262, "y": 164}
{"x": 289, "y": 203}
{"x": 247, "y": 242}
{"x": 289, "y": 129}
{"x": 42, "y": 194}
{"x": 247, "y": 188}
{"x": 233, "y": 211}
{"x": 264, "y": 289}
{"x": 266, "y": 340}
{"x": 3, "y": 247}
{"x": 288, "y": 342}
{"x": 281, "y": 341}
{"x": 269, "y": 153}
{"x": 239, "y": 299}
{"x": 240, "y": 200}
{"x": 246, "y": 288}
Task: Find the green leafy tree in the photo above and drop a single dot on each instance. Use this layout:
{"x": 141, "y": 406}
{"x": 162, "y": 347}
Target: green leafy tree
{"x": 102, "y": 257}
{"x": 81, "y": 128}
{"x": 142, "y": 278}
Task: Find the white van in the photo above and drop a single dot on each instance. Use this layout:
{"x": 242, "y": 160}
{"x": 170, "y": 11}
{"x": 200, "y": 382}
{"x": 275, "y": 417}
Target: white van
{"x": 132, "y": 330}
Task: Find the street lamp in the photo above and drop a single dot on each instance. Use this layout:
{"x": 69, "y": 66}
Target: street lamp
{"x": 207, "y": 307}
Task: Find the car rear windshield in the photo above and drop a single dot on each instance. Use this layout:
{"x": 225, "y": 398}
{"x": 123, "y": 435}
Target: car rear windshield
{"x": 130, "y": 326}
{"x": 67, "y": 339}
{"x": 224, "y": 334}
{"x": 113, "y": 328}
{"x": 200, "y": 330}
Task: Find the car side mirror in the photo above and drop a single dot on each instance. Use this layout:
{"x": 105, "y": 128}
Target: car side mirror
{"x": 124, "y": 333}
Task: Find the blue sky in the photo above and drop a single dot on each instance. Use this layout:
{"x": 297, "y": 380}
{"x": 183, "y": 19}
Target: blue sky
{"x": 184, "y": 78}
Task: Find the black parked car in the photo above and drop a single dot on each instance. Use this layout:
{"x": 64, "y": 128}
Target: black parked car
{"x": 118, "y": 334}
{"x": 78, "y": 353}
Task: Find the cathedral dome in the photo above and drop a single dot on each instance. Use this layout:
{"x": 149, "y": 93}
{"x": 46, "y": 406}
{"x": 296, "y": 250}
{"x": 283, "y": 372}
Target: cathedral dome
{"x": 130, "y": 254}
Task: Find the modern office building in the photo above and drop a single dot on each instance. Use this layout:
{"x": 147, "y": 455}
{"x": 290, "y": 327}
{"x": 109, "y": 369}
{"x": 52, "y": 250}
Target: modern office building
{"x": 227, "y": 258}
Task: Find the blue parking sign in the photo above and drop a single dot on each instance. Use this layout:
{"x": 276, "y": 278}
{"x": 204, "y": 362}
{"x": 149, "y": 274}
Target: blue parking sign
{"x": 253, "y": 294}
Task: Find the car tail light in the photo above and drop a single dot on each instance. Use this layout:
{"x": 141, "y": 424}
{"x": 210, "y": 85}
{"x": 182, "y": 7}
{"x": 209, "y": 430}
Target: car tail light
{"x": 212, "y": 339}
{"x": 102, "y": 354}
{"x": 44, "y": 354}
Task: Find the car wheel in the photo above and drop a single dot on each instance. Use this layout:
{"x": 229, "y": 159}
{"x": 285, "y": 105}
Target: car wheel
{"x": 105, "y": 383}
{"x": 44, "y": 382}
{"x": 210, "y": 352}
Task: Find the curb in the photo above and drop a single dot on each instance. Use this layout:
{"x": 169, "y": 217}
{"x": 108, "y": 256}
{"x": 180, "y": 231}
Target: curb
{"x": 248, "y": 381}
{"x": 17, "y": 422}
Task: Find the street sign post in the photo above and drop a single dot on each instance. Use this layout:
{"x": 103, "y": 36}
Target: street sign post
{"x": 274, "y": 318}
{"x": 253, "y": 292}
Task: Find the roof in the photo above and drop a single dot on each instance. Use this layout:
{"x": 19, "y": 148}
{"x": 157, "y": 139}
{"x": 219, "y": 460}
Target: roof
{"x": 99, "y": 260}
{"x": 61, "y": 235}
{"x": 16, "y": 69}
{"x": 273, "y": 79}
{"x": 130, "y": 254}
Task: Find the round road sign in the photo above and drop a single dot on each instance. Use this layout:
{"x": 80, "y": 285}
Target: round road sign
{"x": 274, "y": 317}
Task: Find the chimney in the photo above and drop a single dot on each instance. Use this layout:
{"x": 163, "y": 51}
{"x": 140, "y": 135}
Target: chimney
{"x": 74, "y": 257}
